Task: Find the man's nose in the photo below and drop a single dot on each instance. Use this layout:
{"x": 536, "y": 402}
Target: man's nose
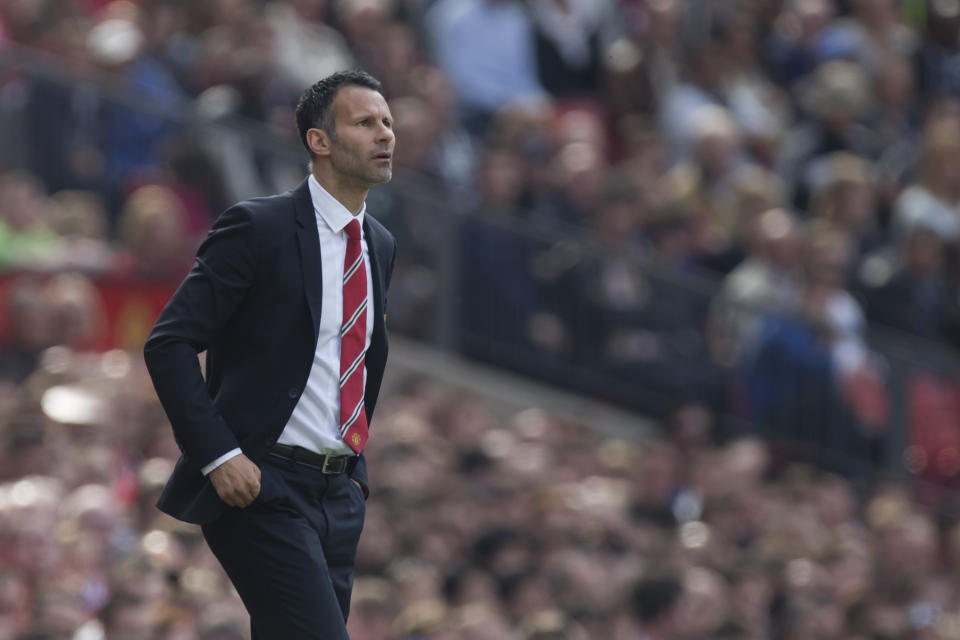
{"x": 385, "y": 134}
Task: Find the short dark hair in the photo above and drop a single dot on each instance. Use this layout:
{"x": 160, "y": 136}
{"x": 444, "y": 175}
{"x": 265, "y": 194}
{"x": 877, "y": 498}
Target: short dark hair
{"x": 313, "y": 110}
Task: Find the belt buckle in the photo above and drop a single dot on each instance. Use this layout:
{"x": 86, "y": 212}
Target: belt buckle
{"x": 333, "y": 465}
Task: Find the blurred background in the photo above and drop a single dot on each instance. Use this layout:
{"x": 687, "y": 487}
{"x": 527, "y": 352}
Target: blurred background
{"x": 676, "y": 310}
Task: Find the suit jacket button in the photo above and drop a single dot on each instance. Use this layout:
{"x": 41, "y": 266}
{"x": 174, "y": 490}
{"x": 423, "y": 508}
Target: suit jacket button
{"x": 293, "y": 394}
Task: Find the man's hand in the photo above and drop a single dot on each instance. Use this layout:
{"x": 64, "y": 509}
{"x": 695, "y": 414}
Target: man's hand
{"x": 237, "y": 481}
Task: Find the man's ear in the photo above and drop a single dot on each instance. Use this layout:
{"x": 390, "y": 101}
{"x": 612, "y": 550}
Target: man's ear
{"x": 319, "y": 142}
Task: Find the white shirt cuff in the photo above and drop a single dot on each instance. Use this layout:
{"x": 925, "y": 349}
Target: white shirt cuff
{"x": 233, "y": 453}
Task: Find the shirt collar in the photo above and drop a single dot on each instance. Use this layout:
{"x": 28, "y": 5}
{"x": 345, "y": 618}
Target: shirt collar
{"x": 330, "y": 210}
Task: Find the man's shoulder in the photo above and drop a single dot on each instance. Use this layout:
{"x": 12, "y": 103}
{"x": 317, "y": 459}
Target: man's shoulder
{"x": 268, "y": 205}
{"x": 380, "y": 237}
{"x": 376, "y": 226}
{"x": 277, "y": 211}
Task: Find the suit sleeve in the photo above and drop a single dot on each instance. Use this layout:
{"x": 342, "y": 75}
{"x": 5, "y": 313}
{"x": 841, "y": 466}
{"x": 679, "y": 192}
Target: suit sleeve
{"x": 195, "y": 316}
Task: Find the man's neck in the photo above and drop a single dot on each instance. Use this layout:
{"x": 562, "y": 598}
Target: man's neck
{"x": 351, "y": 196}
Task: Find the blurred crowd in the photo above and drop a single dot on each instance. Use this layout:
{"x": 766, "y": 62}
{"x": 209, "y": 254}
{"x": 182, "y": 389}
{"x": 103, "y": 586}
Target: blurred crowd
{"x": 707, "y": 210}
{"x": 654, "y": 200}
{"x": 484, "y": 523}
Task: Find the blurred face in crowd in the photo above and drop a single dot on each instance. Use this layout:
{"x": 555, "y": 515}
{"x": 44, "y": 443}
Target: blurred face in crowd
{"x": 616, "y": 221}
{"x": 360, "y": 148}
{"x": 778, "y": 238}
{"x": 941, "y": 167}
{"x": 828, "y": 259}
{"x": 808, "y": 16}
{"x": 875, "y": 12}
{"x": 436, "y": 90}
{"x": 925, "y": 252}
{"x": 501, "y": 178}
{"x": 21, "y": 202}
{"x": 29, "y": 317}
{"x": 311, "y": 10}
{"x": 152, "y": 226}
{"x": 14, "y": 602}
{"x": 740, "y": 38}
{"x": 583, "y": 167}
{"x": 415, "y": 126}
{"x": 704, "y": 603}
{"x": 708, "y": 67}
{"x": 896, "y": 83}
{"x": 716, "y": 153}
{"x": 855, "y": 205}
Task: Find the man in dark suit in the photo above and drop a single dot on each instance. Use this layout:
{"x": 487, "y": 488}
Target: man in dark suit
{"x": 287, "y": 298}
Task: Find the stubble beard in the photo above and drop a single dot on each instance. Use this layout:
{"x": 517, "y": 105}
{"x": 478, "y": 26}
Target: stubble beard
{"x": 358, "y": 169}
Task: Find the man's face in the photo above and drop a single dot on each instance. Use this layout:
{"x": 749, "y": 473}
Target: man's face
{"x": 361, "y": 150}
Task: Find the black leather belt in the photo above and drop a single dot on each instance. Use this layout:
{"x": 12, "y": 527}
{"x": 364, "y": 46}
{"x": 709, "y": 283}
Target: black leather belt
{"x": 329, "y": 465}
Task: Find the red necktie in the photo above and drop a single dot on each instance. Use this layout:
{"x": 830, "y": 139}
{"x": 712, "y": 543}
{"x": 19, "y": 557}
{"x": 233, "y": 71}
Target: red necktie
{"x": 353, "y": 338}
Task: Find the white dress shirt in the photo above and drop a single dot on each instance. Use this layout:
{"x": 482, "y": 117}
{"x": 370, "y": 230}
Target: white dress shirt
{"x": 315, "y": 421}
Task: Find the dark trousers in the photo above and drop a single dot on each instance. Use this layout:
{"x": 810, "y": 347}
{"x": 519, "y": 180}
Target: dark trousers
{"x": 291, "y": 553}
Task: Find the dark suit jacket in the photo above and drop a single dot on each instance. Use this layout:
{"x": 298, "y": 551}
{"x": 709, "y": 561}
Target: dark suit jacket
{"x": 252, "y": 302}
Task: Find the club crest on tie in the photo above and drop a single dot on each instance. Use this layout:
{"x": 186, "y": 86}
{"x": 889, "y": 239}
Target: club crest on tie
{"x": 356, "y": 439}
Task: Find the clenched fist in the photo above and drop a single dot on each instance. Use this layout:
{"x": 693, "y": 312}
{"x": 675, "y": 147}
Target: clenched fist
{"x": 237, "y": 481}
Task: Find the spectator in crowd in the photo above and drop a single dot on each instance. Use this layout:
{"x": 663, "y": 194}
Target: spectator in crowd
{"x": 25, "y": 236}
{"x": 896, "y": 122}
{"x": 486, "y": 247}
{"x": 873, "y": 29}
{"x": 914, "y": 297}
{"x": 836, "y": 101}
{"x": 753, "y": 191}
{"x": 845, "y": 196}
{"x": 29, "y": 331}
{"x": 453, "y": 149}
{"x": 704, "y": 83}
{"x": 374, "y": 37}
{"x": 306, "y": 46}
{"x": 643, "y": 64}
{"x": 767, "y": 281}
{"x": 578, "y": 167}
{"x": 487, "y": 50}
{"x": 79, "y": 218}
{"x": 571, "y": 41}
{"x": 708, "y": 179}
{"x": 152, "y": 234}
{"x": 831, "y": 388}
{"x": 826, "y": 304}
{"x": 643, "y": 152}
{"x": 792, "y": 48}
{"x": 933, "y": 200}
{"x": 132, "y": 138}
{"x": 939, "y": 51}
{"x": 760, "y": 108}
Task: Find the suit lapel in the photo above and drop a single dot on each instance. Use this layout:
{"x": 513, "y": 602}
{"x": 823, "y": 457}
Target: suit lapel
{"x": 377, "y": 273}
{"x": 309, "y": 240}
